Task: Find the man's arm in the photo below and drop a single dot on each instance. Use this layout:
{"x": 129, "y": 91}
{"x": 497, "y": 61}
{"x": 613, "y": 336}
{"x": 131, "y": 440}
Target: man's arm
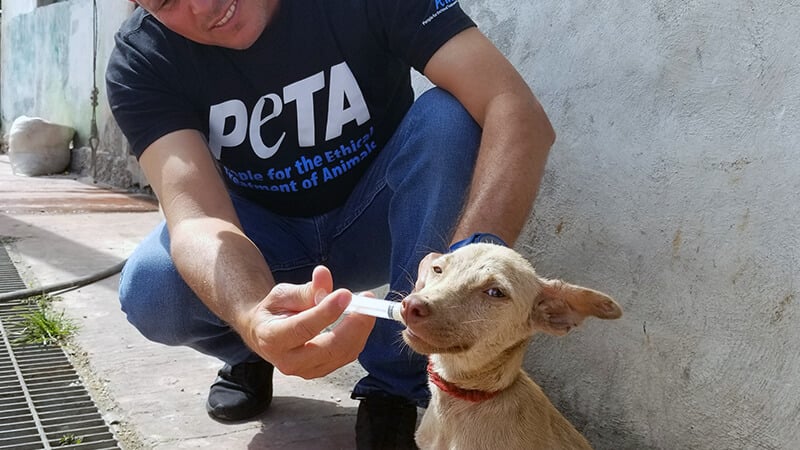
{"x": 228, "y": 272}
{"x": 516, "y": 139}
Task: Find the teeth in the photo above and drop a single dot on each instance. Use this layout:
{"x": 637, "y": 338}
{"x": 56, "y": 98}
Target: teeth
{"x": 228, "y": 15}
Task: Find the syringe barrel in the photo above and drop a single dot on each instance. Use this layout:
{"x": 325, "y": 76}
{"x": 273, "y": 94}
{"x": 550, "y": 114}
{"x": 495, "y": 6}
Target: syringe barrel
{"x": 383, "y": 309}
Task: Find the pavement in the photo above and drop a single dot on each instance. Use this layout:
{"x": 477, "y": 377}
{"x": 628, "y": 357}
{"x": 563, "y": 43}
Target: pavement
{"x": 59, "y": 228}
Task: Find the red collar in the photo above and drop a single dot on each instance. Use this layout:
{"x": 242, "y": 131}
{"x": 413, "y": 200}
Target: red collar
{"x": 470, "y": 395}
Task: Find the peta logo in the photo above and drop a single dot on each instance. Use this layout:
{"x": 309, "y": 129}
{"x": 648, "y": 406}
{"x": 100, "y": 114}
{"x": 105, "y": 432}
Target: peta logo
{"x": 443, "y": 3}
{"x": 345, "y": 104}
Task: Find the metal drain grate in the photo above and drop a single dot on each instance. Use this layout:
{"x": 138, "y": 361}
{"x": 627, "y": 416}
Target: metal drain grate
{"x": 43, "y": 403}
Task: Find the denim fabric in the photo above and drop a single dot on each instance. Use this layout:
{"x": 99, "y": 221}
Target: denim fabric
{"x": 405, "y": 207}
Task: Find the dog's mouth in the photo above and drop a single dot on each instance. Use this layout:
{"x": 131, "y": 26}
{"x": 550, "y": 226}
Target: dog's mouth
{"x": 428, "y": 345}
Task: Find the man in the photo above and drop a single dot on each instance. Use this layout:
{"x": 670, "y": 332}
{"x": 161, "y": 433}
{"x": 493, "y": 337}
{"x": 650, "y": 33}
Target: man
{"x": 287, "y": 151}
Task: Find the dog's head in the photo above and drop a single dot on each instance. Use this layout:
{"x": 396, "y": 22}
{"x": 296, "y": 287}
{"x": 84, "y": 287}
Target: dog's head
{"x": 484, "y": 298}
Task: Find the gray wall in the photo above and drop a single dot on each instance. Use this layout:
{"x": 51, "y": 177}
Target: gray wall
{"x": 47, "y": 63}
{"x": 673, "y": 186}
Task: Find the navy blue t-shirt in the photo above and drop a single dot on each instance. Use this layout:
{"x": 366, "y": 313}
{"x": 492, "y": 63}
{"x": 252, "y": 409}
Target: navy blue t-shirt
{"x": 295, "y": 120}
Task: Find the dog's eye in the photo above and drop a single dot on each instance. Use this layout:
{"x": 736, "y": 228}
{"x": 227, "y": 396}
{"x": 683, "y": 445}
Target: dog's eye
{"x": 437, "y": 269}
{"x": 495, "y": 292}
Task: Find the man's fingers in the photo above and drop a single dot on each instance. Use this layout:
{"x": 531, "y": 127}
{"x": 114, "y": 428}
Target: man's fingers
{"x": 288, "y": 298}
{"x": 293, "y": 342}
{"x": 321, "y": 283}
{"x": 300, "y": 328}
{"x": 329, "y": 351}
{"x": 293, "y": 298}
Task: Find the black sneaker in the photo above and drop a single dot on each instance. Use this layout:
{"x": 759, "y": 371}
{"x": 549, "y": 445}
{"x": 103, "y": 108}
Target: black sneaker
{"x": 240, "y": 392}
{"x": 386, "y": 423}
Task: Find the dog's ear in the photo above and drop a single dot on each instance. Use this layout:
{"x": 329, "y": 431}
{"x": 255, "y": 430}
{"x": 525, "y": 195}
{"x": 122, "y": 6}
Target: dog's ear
{"x": 561, "y": 306}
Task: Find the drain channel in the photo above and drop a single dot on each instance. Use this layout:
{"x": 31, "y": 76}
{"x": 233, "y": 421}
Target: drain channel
{"x": 43, "y": 402}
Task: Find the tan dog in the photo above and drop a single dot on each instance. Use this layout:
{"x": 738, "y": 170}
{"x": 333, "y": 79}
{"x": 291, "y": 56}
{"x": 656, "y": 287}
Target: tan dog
{"x": 474, "y": 316}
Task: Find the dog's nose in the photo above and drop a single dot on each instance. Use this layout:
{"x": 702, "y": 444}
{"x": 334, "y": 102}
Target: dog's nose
{"x": 414, "y": 308}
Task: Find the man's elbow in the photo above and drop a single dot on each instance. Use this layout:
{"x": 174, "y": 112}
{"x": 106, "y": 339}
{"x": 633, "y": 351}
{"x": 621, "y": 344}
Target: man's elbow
{"x": 545, "y": 132}
{"x": 549, "y": 133}
{"x": 539, "y": 127}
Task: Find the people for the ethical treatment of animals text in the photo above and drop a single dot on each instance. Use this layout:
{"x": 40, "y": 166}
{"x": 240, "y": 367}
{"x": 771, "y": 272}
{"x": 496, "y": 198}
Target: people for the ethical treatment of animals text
{"x": 295, "y": 165}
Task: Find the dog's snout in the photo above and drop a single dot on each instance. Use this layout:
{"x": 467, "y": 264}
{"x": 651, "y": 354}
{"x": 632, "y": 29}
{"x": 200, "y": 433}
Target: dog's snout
{"x": 414, "y": 308}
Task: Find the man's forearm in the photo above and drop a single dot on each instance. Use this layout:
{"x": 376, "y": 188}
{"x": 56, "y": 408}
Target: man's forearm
{"x": 516, "y": 140}
{"x": 223, "y": 267}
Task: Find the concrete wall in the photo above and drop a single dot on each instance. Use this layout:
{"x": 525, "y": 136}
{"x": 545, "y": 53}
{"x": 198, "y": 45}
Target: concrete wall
{"x": 47, "y": 71}
{"x": 675, "y": 187}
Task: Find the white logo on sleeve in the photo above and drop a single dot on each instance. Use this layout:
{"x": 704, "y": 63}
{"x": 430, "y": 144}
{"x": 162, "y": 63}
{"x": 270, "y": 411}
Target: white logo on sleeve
{"x": 345, "y": 104}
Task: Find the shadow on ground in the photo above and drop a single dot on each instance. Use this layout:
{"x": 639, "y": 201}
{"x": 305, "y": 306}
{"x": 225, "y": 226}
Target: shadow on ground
{"x": 294, "y": 423}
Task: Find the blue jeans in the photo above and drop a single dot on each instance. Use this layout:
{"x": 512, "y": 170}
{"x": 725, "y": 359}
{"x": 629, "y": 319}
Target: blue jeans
{"x": 405, "y": 206}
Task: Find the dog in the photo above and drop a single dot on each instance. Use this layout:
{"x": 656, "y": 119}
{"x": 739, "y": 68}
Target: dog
{"x": 474, "y": 316}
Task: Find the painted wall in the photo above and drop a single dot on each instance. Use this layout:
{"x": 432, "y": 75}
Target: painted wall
{"x": 48, "y": 71}
{"x": 675, "y": 187}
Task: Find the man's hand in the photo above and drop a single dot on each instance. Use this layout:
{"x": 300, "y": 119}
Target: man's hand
{"x": 286, "y": 327}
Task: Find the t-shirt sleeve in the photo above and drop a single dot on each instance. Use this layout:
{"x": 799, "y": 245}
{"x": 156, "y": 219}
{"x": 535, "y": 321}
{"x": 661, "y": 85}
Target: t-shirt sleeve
{"x": 415, "y": 29}
{"x": 146, "y": 92}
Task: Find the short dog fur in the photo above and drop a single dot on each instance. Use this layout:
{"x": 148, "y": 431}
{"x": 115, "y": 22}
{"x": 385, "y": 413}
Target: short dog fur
{"x": 475, "y": 316}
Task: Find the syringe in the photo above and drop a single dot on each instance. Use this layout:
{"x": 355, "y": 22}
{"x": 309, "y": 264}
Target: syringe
{"x": 383, "y": 309}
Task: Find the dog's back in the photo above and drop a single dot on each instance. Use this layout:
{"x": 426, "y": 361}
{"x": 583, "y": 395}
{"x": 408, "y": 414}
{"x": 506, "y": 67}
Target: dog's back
{"x": 475, "y": 316}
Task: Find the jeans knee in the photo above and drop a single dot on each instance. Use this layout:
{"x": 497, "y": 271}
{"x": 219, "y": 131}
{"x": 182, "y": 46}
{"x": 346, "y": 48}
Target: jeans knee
{"x": 143, "y": 299}
{"x": 445, "y": 116}
{"x": 437, "y": 142}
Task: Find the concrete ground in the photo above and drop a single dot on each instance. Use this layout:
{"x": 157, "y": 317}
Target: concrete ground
{"x": 59, "y": 228}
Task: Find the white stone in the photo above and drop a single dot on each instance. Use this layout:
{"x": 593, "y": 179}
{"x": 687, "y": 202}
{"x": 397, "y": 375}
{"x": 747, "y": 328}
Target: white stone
{"x": 39, "y": 147}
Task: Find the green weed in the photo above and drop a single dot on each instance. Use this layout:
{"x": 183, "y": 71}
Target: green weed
{"x": 43, "y": 325}
{"x": 70, "y": 439}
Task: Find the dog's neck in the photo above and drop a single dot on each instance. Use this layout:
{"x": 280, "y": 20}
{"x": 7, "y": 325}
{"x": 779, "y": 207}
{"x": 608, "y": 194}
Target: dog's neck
{"x": 461, "y": 378}
{"x": 470, "y": 395}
